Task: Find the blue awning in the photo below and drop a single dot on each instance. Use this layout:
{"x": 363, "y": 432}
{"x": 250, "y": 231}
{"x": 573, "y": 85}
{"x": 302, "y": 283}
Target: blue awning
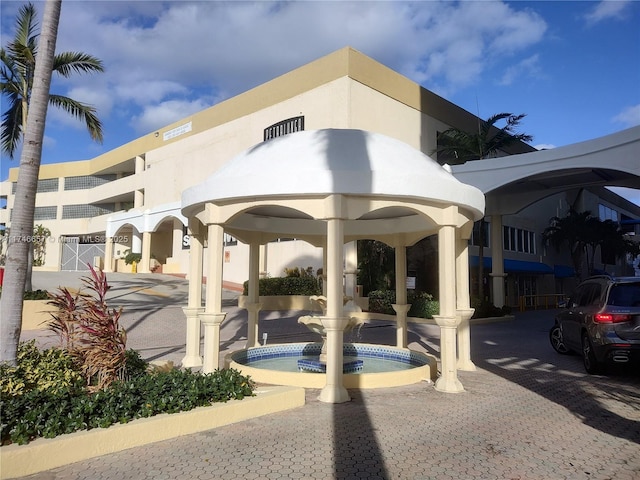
{"x": 514, "y": 266}
{"x": 520, "y": 266}
{"x": 486, "y": 261}
{"x": 563, "y": 271}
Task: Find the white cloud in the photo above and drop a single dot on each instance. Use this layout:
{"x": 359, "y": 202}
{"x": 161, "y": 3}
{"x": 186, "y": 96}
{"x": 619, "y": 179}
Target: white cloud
{"x": 164, "y": 113}
{"x": 629, "y": 117}
{"x": 156, "y": 51}
{"x": 607, "y": 9}
{"x": 529, "y": 66}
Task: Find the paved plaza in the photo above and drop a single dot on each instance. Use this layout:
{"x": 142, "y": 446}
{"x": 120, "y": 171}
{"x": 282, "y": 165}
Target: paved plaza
{"x": 526, "y": 413}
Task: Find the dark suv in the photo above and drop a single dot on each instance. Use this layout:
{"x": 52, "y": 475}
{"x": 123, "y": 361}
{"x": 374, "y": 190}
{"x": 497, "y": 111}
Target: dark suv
{"x": 602, "y": 321}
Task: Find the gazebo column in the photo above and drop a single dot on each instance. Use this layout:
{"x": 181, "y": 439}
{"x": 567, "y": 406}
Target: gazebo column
{"x": 334, "y": 322}
{"x": 108, "y": 255}
{"x": 145, "y": 255}
{"x": 194, "y": 307}
{"x": 351, "y": 274}
{"x": 324, "y": 269}
{"x": 447, "y": 319}
{"x": 401, "y": 307}
{"x": 253, "y": 306}
{"x": 463, "y": 309}
{"x": 497, "y": 261}
{"x": 213, "y": 316}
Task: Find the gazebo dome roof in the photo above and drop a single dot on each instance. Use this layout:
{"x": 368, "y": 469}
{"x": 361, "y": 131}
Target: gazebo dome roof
{"x": 333, "y": 161}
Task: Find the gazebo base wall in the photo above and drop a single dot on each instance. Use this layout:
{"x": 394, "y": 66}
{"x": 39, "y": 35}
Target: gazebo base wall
{"x": 427, "y": 372}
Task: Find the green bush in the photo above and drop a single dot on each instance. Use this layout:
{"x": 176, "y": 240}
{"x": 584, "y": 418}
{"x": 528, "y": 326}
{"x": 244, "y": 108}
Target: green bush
{"x": 304, "y": 285}
{"x": 380, "y": 301}
{"x": 486, "y": 309}
{"x": 49, "y": 413}
{"x": 33, "y": 294}
{"x": 51, "y": 370}
{"x": 422, "y": 304}
{"x": 131, "y": 257}
{"x": 36, "y": 295}
{"x": 135, "y": 365}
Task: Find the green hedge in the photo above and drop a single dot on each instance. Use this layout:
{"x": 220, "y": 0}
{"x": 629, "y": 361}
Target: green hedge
{"x": 44, "y": 396}
{"x": 422, "y": 304}
{"x": 286, "y": 286}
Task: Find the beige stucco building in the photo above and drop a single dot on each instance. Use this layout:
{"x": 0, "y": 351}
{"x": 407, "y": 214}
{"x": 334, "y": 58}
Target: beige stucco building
{"x": 129, "y": 199}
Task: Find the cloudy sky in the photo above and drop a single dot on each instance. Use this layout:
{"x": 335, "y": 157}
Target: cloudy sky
{"x": 572, "y": 66}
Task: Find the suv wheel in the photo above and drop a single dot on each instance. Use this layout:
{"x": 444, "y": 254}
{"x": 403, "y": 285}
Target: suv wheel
{"x": 591, "y": 364}
{"x": 557, "y": 342}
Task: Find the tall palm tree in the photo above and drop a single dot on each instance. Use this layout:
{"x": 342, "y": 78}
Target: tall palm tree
{"x": 24, "y": 207}
{"x": 17, "y": 81}
{"x": 457, "y": 146}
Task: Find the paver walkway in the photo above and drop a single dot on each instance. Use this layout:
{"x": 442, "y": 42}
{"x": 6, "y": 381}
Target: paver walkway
{"x": 527, "y": 413}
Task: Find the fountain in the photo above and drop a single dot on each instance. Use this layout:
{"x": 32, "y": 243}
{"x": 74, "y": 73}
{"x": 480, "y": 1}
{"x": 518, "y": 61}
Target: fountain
{"x": 314, "y": 323}
{"x": 364, "y": 365}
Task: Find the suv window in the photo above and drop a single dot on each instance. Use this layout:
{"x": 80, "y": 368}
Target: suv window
{"x": 588, "y": 294}
{"x": 625, "y": 295}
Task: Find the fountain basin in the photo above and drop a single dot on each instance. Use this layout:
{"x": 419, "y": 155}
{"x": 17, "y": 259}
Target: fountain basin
{"x": 383, "y": 365}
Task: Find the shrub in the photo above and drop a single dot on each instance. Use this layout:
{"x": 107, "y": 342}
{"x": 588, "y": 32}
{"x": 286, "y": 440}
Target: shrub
{"x": 52, "y": 370}
{"x": 380, "y": 301}
{"x": 36, "y": 295}
{"x": 135, "y": 365}
{"x": 422, "y": 303}
{"x": 43, "y": 413}
{"x": 131, "y": 257}
{"x": 90, "y": 330}
{"x": 33, "y": 294}
{"x": 299, "y": 272}
{"x": 303, "y": 285}
{"x": 486, "y": 309}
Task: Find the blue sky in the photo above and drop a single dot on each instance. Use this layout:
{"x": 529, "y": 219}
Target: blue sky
{"x": 572, "y": 66}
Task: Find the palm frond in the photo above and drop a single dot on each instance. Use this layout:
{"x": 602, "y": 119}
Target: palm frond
{"x": 67, "y": 63}
{"x": 11, "y": 133}
{"x": 83, "y": 112}
{"x": 25, "y": 26}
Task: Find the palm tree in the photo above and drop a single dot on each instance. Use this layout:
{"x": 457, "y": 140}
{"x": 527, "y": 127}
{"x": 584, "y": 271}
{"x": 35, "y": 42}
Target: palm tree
{"x": 612, "y": 241}
{"x": 23, "y": 210}
{"x": 573, "y": 231}
{"x": 17, "y": 81}
{"x": 457, "y": 146}
{"x": 583, "y": 233}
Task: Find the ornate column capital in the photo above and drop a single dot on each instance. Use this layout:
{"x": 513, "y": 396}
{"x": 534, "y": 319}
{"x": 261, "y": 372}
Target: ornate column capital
{"x": 446, "y": 321}
{"x": 212, "y": 319}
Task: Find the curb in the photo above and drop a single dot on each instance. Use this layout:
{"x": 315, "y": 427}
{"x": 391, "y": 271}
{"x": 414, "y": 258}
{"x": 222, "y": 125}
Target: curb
{"x": 48, "y": 453}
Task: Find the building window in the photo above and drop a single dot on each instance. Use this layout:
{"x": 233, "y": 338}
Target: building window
{"x": 45, "y": 213}
{"x": 87, "y": 181}
{"x": 291, "y": 125}
{"x": 607, "y": 213}
{"x": 228, "y": 240}
{"x": 44, "y": 186}
{"x": 475, "y": 235}
{"x": 86, "y": 211}
{"x": 518, "y": 240}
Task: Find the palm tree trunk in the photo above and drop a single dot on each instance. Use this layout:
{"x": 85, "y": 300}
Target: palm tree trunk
{"x": 21, "y": 232}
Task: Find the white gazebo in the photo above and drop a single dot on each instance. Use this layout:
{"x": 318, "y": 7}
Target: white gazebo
{"x": 331, "y": 187}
